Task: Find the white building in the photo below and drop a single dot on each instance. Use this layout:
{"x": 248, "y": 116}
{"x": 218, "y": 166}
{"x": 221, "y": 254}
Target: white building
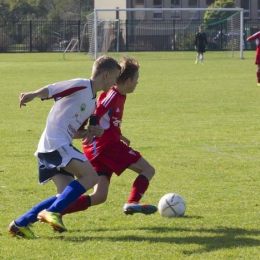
{"x": 251, "y": 8}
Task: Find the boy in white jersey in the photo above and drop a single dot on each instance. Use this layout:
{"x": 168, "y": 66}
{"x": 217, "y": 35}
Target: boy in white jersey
{"x": 74, "y": 102}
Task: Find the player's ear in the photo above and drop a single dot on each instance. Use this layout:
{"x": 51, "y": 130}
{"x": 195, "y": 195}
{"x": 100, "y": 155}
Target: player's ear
{"x": 105, "y": 74}
{"x": 128, "y": 80}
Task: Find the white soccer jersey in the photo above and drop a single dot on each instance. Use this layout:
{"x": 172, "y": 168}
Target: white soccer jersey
{"x": 74, "y": 103}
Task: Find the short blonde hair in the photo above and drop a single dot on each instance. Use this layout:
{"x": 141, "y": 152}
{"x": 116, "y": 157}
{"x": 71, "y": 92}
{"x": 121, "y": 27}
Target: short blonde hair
{"x": 104, "y": 63}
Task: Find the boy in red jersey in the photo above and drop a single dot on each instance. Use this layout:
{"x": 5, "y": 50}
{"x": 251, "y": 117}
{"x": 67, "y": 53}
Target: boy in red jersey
{"x": 111, "y": 152}
{"x": 256, "y": 38}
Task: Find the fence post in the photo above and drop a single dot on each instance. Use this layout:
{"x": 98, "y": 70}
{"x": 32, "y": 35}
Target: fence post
{"x": 79, "y": 36}
{"x": 30, "y": 35}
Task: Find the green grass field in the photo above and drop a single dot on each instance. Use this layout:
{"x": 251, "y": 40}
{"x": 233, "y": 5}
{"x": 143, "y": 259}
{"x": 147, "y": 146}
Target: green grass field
{"x": 197, "y": 124}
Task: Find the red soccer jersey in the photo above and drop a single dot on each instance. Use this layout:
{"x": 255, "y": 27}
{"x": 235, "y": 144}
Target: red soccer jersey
{"x": 110, "y": 107}
{"x": 256, "y": 38}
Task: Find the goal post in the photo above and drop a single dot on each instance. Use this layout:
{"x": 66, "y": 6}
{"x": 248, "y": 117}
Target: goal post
{"x": 173, "y": 24}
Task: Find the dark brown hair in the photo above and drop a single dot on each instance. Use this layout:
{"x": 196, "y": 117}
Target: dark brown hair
{"x": 129, "y": 66}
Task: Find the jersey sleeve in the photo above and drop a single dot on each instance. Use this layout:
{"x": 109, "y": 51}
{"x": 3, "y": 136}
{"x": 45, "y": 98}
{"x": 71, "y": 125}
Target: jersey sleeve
{"x": 254, "y": 36}
{"x": 106, "y": 101}
{"x": 65, "y": 88}
{"x": 196, "y": 39}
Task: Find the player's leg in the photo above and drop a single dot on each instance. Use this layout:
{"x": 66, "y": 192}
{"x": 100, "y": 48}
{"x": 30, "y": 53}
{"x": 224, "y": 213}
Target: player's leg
{"x": 140, "y": 185}
{"x": 197, "y": 58}
{"x": 100, "y": 191}
{"x": 98, "y": 196}
{"x": 21, "y": 226}
{"x": 258, "y": 74}
{"x": 201, "y": 57}
{"x": 71, "y": 161}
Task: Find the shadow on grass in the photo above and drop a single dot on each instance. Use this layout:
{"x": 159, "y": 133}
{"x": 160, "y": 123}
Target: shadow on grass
{"x": 209, "y": 240}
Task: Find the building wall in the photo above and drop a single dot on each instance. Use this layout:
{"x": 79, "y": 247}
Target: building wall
{"x": 111, "y": 4}
{"x": 252, "y": 13}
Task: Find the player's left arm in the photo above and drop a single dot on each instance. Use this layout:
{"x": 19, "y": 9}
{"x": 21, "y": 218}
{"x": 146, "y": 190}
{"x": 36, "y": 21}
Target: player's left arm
{"x": 93, "y": 129}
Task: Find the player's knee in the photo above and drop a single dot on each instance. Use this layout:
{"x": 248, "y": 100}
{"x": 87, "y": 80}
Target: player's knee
{"x": 101, "y": 198}
{"x": 152, "y": 171}
{"x": 149, "y": 172}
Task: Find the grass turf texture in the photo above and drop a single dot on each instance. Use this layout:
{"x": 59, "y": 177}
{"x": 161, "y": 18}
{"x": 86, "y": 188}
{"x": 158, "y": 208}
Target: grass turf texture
{"x": 197, "y": 124}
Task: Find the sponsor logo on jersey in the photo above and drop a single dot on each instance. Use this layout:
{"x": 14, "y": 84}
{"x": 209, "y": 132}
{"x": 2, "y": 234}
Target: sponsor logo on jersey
{"x": 132, "y": 152}
{"x": 76, "y": 116}
{"x": 116, "y": 122}
{"x": 82, "y": 107}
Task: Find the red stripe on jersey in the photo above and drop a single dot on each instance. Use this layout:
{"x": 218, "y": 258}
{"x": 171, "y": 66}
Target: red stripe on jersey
{"x": 67, "y": 92}
{"x": 108, "y": 98}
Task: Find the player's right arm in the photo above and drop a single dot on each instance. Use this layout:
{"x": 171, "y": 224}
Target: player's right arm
{"x": 27, "y": 97}
{"x": 254, "y": 36}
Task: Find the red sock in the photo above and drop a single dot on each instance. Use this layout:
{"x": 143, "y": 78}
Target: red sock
{"x": 258, "y": 76}
{"x": 140, "y": 185}
{"x": 82, "y": 203}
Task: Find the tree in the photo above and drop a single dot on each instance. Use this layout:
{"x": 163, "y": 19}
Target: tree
{"x": 20, "y": 10}
{"x": 213, "y": 17}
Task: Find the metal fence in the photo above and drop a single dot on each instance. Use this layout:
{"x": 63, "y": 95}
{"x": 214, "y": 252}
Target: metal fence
{"x": 46, "y": 36}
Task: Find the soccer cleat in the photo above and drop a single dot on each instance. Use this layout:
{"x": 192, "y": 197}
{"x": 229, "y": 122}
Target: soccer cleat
{"x": 25, "y": 232}
{"x": 131, "y": 208}
{"x": 53, "y": 219}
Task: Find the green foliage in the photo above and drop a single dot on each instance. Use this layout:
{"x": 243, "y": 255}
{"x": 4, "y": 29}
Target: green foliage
{"x": 214, "y": 17}
{"x": 198, "y": 125}
{"x": 20, "y": 10}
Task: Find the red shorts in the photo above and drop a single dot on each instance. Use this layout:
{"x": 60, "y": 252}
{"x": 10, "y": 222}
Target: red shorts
{"x": 115, "y": 157}
{"x": 257, "y": 57}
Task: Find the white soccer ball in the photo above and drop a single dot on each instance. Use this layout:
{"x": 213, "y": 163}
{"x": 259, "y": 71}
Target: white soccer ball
{"x": 172, "y": 205}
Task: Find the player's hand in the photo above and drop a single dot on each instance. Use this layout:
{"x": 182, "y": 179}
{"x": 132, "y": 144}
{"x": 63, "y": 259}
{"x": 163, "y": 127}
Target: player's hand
{"x": 87, "y": 137}
{"x": 125, "y": 140}
{"x": 25, "y": 98}
{"x": 96, "y": 130}
{"x": 91, "y": 132}
{"x": 195, "y": 47}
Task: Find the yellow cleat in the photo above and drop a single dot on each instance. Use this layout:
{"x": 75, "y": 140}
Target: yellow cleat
{"x": 24, "y": 232}
{"x": 53, "y": 219}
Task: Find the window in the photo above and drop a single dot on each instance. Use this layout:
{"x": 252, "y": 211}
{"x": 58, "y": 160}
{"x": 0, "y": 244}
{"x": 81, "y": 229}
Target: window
{"x": 157, "y": 15}
{"x": 246, "y": 5}
{"x": 139, "y": 15}
{"x": 209, "y": 2}
{"x": 193, "y": 3}
{"x": 258, "y": 8}
{"x": 175, "y": 3}
{"x": 175, "y": 14}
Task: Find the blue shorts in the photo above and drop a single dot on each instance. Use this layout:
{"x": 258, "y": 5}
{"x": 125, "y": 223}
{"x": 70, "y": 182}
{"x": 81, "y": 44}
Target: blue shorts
{"x": 52, "y": 163}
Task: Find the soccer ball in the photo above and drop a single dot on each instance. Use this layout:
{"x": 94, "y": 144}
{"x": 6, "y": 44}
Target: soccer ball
{"x": 172, "y": 205}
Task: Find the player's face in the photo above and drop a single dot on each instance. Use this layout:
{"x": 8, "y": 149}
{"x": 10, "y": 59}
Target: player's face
{"x": 111, "y": 79}
{"x": 133, "y": 83}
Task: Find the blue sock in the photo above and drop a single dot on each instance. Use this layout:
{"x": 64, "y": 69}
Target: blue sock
{"x": 69, "y": 195}
{"x": 31, "y": 216}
